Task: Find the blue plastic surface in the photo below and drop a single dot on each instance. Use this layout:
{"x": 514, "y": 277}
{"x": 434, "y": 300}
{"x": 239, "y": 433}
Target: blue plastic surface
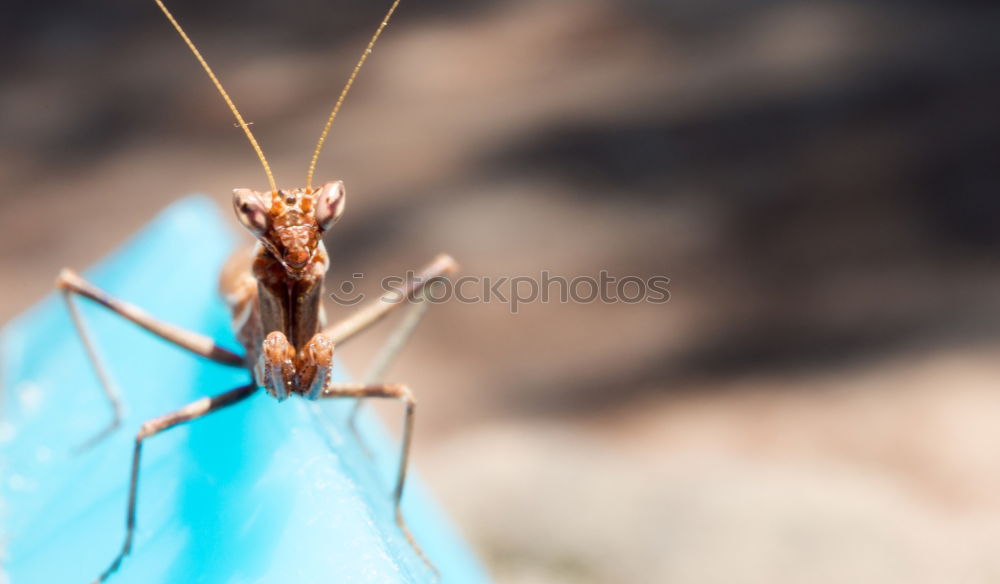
{"x": 260, "y": 492}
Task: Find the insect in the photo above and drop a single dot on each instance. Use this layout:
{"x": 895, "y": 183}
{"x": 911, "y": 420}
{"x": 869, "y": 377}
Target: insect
{"x": 274, "y": 293}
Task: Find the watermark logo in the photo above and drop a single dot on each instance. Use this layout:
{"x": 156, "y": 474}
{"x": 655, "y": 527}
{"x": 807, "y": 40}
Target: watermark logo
{"x": 517, "y": 291}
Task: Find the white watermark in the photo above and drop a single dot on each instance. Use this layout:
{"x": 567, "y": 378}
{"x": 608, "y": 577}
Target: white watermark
{"x": 516, "y": 291}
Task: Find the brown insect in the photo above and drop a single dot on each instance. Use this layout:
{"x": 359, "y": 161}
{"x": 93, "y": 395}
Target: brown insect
{"x": 275, "y": 295}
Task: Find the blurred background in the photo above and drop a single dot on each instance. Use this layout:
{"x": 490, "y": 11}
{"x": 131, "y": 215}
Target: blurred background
{"x": 818, "y": 401}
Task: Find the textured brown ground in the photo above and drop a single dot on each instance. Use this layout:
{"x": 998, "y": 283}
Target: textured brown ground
{"x": 817, "y": 403}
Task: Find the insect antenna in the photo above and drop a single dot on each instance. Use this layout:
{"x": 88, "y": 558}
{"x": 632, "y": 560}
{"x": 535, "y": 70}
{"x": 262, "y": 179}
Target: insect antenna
{"x": 344, "y": 92}
{"x": 225, "y": 96}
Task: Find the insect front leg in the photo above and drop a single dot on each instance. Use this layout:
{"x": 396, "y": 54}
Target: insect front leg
{"x": 315, "y": 365}
{"x": 70, "y": 284}
{"x": 192, "y": 411}
{"x": 275, "y": 369}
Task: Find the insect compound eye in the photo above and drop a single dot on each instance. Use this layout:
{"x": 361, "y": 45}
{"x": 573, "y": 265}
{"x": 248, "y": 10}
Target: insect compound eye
{"x": 330, "y": 204}
{"x": 251, "y": 210}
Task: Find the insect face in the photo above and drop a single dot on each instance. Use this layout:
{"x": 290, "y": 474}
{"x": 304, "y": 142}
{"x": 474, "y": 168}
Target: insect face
{"x": 289, "y": 223}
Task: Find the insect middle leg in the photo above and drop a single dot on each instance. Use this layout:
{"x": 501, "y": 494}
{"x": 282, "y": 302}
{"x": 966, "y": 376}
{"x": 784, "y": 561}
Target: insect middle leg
{"x": 415, "y": 291}
{"x": 403, "y": 394}
{"x": 375, "y": 311}
{"x": 192, "y": 411}
{"x": 385, "y": 356}
{"x": 70, "y": 284}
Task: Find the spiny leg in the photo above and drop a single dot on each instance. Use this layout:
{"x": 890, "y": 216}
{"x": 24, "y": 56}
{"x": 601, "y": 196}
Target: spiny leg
{"x": 282, "y": 370}
{"x": 315, "y": 364}
{"x": 402, "y": 393}
{"x": 70, "y": 284}
{"x": 275, "y": 368}
{"x": 192, "y": 411}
